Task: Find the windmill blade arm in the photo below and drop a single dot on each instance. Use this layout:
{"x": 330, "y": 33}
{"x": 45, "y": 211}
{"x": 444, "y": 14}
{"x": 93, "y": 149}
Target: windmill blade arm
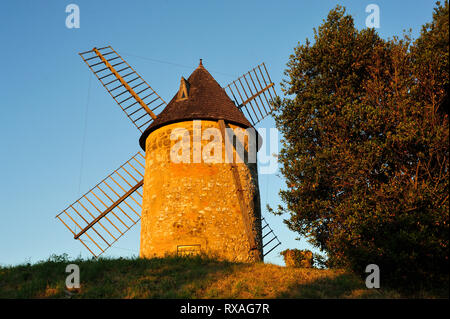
{"x": 253, "y": 93}
{"x": 257, "y": 94}
{"x": 107, "y": 211}
{"x": 110, "y": 208}
{"x": 269, "y": 239}
{"x": 130, "y": 91}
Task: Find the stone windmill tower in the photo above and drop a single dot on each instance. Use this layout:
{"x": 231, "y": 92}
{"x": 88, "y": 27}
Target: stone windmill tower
{"x": 197, "y": 185}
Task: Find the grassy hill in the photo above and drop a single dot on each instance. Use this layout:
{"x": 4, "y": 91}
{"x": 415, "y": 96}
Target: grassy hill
{"x": 183, "y": 277}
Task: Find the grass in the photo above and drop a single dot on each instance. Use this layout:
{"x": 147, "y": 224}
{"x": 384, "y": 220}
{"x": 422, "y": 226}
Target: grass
{"x": 184, "y": 277}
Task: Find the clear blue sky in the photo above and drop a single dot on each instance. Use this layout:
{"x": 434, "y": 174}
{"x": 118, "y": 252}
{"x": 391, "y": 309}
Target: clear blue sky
{"x": 45, "y": 111}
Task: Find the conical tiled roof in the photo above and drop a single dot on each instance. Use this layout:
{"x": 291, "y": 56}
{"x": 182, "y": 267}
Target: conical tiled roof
{"x": 206, "y": 100}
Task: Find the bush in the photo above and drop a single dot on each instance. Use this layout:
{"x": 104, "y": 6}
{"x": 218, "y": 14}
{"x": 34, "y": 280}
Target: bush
{"x": 366, "y": 148}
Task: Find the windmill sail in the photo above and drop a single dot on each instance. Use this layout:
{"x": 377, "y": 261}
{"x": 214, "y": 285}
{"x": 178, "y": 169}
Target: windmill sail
{"x": 106, "y": 212}
{"x": 134, "y": 96}
{"x": 253, "y": 93}
{"x": 270, "y": 240}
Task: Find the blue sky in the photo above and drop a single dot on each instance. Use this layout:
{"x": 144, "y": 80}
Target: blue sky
{"x": 61, "y": 132}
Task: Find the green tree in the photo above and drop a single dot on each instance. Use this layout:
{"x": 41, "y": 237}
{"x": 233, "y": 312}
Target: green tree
{"x": 365, "y": 148}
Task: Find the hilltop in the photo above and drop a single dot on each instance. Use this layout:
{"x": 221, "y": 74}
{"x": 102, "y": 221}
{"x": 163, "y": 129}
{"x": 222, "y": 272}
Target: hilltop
{"x": 182, "y": 277}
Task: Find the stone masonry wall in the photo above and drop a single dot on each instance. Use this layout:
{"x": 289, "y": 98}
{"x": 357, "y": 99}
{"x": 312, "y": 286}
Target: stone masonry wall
{"x": 196, "y": 203}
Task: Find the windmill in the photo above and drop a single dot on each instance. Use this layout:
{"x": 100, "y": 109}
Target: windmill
{"x": 184, "y": 208}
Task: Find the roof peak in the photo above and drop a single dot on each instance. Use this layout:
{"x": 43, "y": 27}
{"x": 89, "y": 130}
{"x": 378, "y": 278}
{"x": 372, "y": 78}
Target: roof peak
{"x": 203, "y": 99}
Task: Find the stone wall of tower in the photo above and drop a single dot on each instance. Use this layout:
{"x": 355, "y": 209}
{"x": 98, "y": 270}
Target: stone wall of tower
{"x": 196, "y": 203}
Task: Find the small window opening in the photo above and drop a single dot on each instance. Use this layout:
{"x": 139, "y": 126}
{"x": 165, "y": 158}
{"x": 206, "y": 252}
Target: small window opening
{"x": 183, "y": 92}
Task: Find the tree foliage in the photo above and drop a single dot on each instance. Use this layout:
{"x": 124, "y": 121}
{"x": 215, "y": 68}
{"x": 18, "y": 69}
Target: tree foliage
{"x": 365, "y": 147}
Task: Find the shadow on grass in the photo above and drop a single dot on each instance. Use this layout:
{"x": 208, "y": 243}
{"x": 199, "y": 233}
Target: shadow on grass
{"x": 349, "y": 285}
{"x": 345, "y": 285}
{"x": 168, "y": 277}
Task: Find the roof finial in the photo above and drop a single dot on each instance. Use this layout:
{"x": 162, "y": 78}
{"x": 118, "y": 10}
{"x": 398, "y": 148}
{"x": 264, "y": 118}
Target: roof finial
{"x": 201, "y": 64}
